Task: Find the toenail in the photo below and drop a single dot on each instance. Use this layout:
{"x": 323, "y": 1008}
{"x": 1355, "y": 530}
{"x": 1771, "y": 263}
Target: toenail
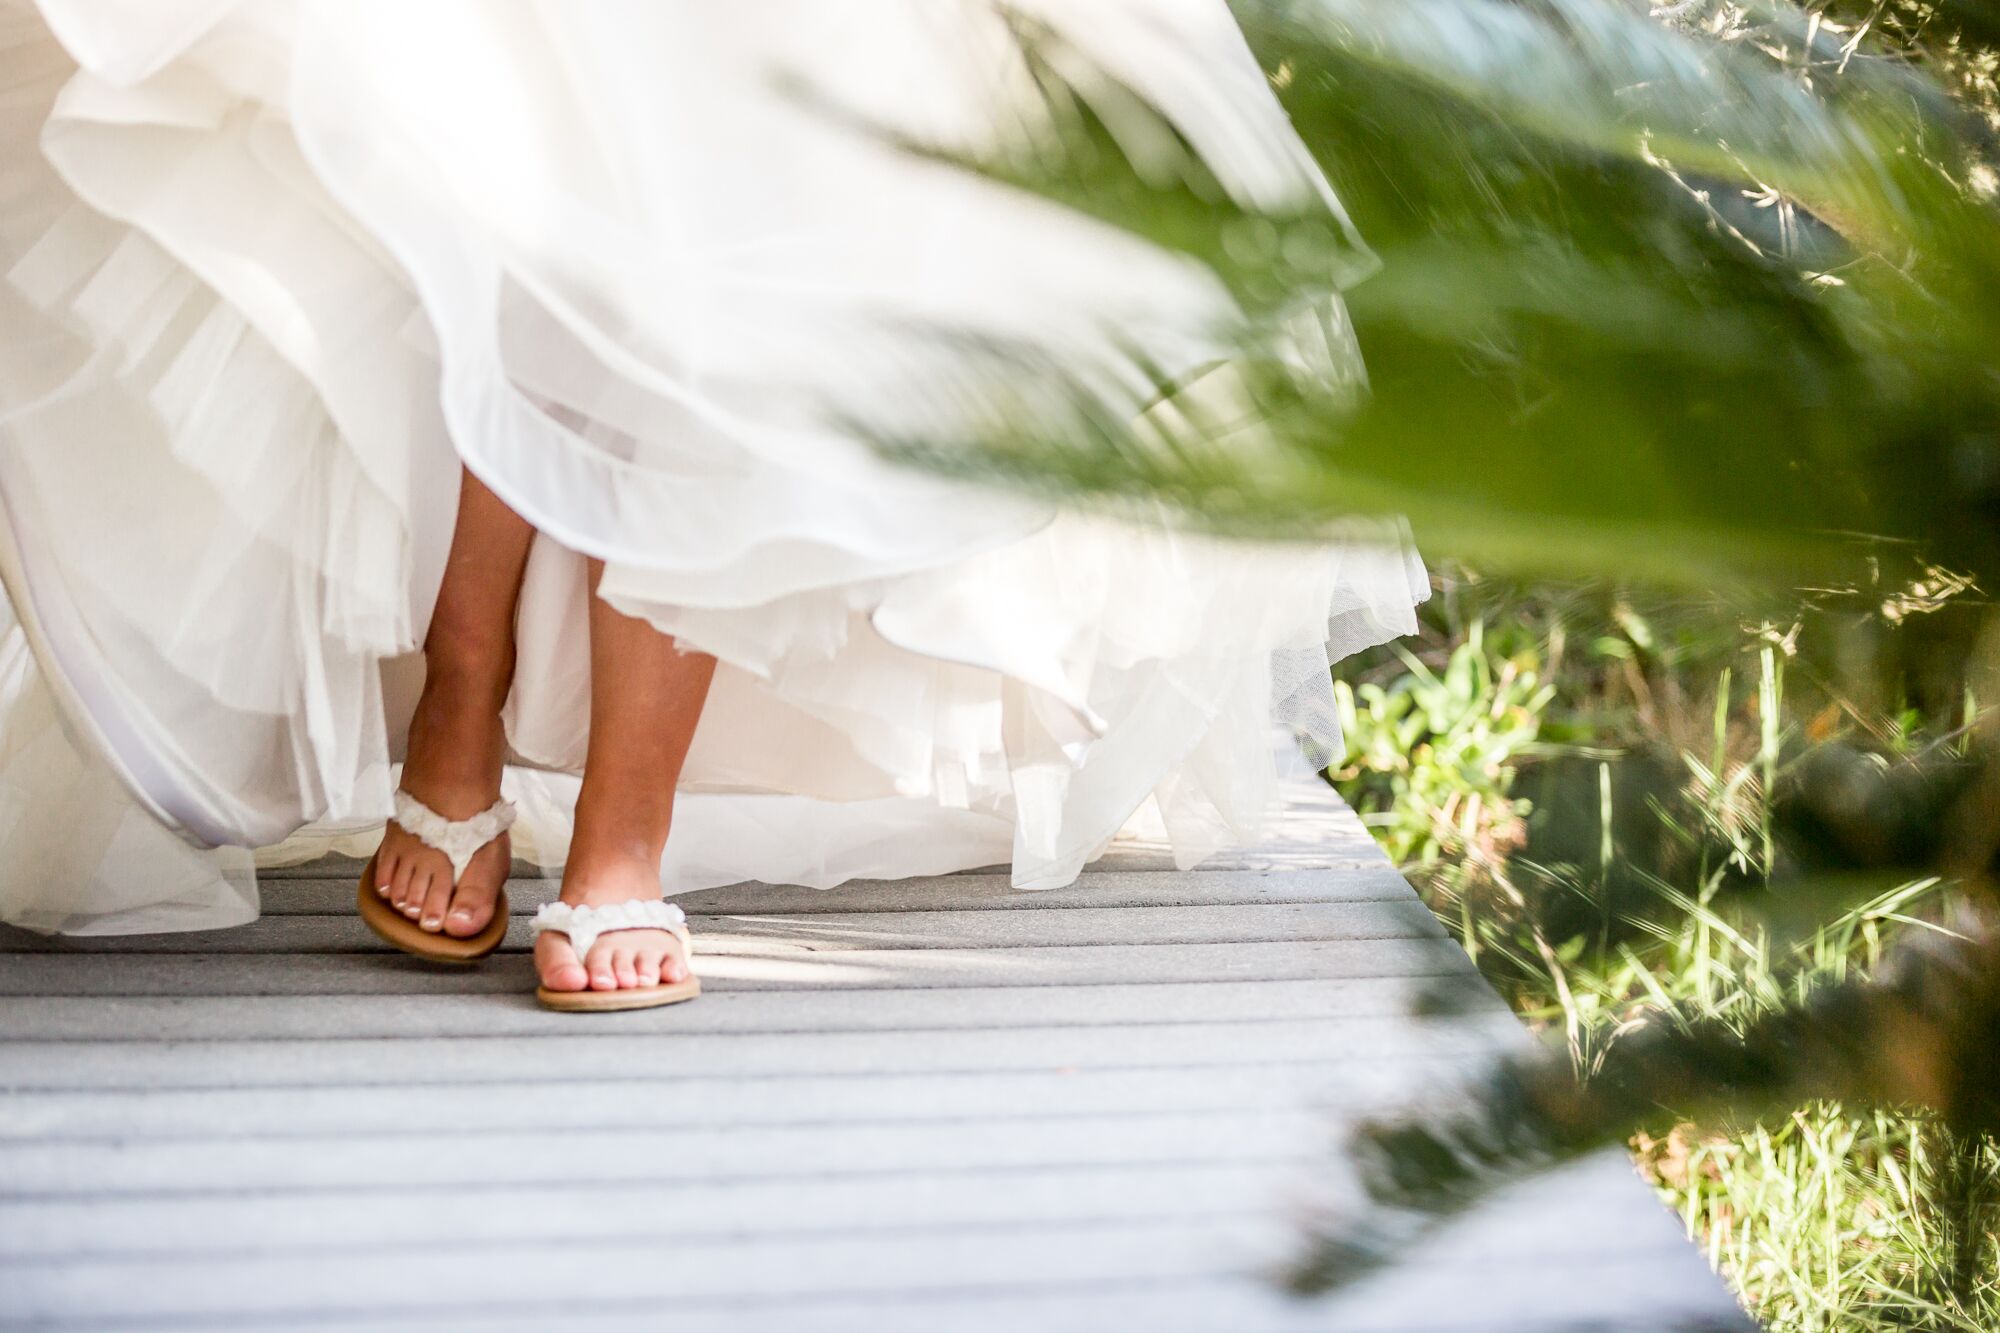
{"x": 461, "y": 915}
{"x": 430, "y": 923}
{"x": 382, "y": 889}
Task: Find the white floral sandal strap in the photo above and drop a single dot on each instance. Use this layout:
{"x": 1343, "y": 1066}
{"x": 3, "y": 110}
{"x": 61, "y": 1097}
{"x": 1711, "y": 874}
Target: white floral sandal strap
{"x": 584, "y": 924}
{"x": 459, "y": 839}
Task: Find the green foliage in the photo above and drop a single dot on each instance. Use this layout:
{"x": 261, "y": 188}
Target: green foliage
{"x": 1580, "y": 779}
{"x": 1829, "y": 1222}
{"x": 1682, "y": 302}
{"x": 1430, "y": 755}
{"x": 1709, "y": 298}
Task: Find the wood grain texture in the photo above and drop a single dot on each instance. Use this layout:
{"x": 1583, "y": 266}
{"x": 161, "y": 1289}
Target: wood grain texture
{"x": 929, "y": 1104}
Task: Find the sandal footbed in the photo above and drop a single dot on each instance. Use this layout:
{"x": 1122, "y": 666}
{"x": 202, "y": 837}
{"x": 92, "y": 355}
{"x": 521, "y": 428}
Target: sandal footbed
{"x": 610, "y": 1001}
{"x": 392, "y": 927}
{"x": 396, "y": 929}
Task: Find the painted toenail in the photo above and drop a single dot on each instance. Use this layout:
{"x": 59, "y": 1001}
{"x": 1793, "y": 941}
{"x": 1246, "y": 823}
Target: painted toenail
{"x": 430, "y": 923}
{"x": 461, "y": 915}
{"x": 382, "y": 889}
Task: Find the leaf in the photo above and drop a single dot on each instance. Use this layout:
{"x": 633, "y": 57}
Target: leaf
{"x": 1588, "y": 349}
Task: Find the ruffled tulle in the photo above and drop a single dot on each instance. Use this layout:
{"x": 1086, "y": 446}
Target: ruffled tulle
{"x": 274, "y": 269}
{"x": 82, "y": 855}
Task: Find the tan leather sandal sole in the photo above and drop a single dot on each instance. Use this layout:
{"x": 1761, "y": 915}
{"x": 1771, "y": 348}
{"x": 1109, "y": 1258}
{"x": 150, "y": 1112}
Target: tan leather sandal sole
{"x": 394, "y": 928}
{"x": 610, "y": 1001}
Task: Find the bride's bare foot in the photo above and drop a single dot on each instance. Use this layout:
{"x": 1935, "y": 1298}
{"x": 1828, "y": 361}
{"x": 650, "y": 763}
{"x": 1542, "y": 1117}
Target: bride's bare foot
{"x": 645, "y": 698}
{"x": 457, "y": 750}
{"x": 622, "y": 959}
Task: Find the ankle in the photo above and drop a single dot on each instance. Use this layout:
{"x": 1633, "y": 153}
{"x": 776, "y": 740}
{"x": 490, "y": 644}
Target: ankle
{"x": 458, "y": 680}
{"x": 457, "y": 746}
{"x": 598, "y": 875}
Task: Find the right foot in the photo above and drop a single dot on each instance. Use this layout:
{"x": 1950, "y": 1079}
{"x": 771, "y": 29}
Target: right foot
{"x": 456, "y": 753}
{"x": 623, "y": 959}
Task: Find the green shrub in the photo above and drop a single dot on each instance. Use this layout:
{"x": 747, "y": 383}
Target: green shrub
{"x": 1584, "y": 785}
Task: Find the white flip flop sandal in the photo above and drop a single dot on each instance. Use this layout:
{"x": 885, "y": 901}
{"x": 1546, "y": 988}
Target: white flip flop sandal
{"x": 584, "y": 924}
{"x": 460, "y": 840}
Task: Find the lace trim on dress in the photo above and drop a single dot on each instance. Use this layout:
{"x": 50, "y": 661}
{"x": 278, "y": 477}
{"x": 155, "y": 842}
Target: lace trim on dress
{"x": 459, "y": 839}
{"x": 583, "y": 924}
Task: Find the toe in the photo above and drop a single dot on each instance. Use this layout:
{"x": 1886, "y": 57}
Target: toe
{"x": 385, "y": 875}
{"x": 557, "y": 963}
{"x": 471, "y": 909}
{"x": 674, "y": 965}
{"x": 623, "y": 958}
{"x": 603, "y": 976}
{"x": 472, "y": 901}
{"x": 399, "y": 884}
{"x": 436, "y": 901}
{"x": 420, "y": 888}
{"x": 646, "y": 961}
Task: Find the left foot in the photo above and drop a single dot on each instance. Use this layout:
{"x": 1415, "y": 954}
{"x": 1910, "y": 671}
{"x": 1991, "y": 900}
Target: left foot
{"x": 457, "y": 750}
{"x": 622, "y": 959}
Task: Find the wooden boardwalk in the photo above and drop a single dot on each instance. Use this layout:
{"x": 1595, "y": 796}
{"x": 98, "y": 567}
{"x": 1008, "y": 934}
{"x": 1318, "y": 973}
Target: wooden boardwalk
{"x": 934, "y": 1105}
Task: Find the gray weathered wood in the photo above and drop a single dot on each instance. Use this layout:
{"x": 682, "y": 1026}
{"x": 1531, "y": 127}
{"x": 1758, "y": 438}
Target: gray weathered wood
{"x": 920, "y": 1105}
{"x": 315, "y": 1017}
{"x": 403, "y": 1156}
{"x": 231, "y": 1224}
{"x": 819, "y": 933}
{"x": 306, "y": 895}
{"x": 69, "y": 1114}
{"x": 752, "y": 1277}
{"x": 585, "y": 1054}
{"x": 777, "y": 968}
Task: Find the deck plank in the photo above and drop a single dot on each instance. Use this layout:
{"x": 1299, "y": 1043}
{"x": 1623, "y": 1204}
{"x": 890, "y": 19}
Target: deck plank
{"x": 71, "y": 1115}
{"x": 321, "y": 894}
{"x": 819, "y": 933}
{"x": 225, "y": 1224}
{"x": 777, "y": 967}
{"x": 926, "y": 1104}
{"x": 722, "y": 1272}
{"x": 313, "y": 1017}
{"x": 437, "y": 1060}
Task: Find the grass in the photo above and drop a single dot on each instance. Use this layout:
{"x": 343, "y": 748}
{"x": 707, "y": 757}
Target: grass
{"x": 1582, "y": 786}
{"x": 1829, "y": 1221}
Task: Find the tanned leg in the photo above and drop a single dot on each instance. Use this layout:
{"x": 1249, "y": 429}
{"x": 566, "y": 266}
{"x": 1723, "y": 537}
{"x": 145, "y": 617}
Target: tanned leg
{"x": 645, "y": 698}
{"x": 457, "y": 747}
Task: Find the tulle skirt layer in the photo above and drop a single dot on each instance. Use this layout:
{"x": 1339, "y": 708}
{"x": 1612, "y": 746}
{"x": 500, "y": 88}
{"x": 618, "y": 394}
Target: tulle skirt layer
{"x": 276, "y": 270}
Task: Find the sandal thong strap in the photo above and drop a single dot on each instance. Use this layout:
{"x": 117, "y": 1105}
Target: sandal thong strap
{"x": 459, "y": 839}
{"x": 584, "y": 924}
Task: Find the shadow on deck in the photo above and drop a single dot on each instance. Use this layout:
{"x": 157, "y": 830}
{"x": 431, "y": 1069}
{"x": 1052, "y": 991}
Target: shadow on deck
{"x": 926, "y": 1105}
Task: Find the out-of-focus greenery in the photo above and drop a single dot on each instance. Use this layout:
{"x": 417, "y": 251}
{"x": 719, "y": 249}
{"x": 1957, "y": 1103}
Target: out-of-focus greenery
{"x": 1579, "y": 778}
{"x": 1432, "y": 752}
{"x": 1705, "y": 295}
{"x": 1684, "y": 301}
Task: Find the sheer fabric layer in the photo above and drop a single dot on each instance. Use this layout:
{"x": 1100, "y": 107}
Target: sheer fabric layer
{"x": 274, "y": 269}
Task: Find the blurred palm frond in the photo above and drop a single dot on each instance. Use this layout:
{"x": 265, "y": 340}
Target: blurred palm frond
{"x": 1649, "y": 300}
{"x": 1688, "y": 296}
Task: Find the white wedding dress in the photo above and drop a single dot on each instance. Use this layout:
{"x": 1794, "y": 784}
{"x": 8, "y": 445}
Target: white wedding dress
{"x": 274, "y": 268}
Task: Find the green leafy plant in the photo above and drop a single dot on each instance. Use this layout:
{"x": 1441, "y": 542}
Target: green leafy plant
{"x": 1709, "y": 299}
{"x": 1429, "y": 755}
{"x": 1644, "y": 873}
{"x": 1649, "y": 300}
